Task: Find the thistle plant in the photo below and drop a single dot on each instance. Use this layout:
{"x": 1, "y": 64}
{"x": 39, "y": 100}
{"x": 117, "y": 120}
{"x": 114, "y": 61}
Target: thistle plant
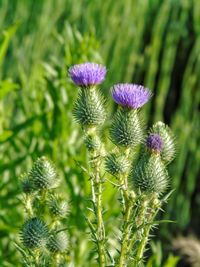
{"x": 89, "y": 112}
{"x": 141, "y": 183}
{"x": 43, "y": 236}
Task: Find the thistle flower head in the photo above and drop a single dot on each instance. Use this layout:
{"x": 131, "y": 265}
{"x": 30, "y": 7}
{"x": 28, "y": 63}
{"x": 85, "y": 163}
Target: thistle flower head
{"x": 43, "y": 174}
{"x": 130, "y": 95}
{"x": 34, "y": 233}
{"x": 58, "y": 242}
{"x": 87, "y": 74}
{"x": 154, "y": 142}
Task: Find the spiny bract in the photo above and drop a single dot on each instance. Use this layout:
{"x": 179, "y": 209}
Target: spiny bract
{"x": 43, "y": 174}
{"x": 57, "y": 242}
{"x": 26, "y": 184}
{"x": 34, "y": 233}
{"x": 92, "y": 142}
{"x": 57, "y": 206}
{"x": 89, "y": 107}
{"x": 150, "y": 175}
{"x": 116, "y": 165}
{"x": 126, "y": 129}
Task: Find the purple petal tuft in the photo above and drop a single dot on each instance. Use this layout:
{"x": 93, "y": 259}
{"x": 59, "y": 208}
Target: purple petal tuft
{"x": 87, "y": 74}
{"x": 154, "y": 142}
{"x": 130, "y": 95}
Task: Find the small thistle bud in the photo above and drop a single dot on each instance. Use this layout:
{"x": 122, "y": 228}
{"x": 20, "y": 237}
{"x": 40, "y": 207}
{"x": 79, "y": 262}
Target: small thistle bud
{"x": 150, "y": 175}
{"x": 92, "y": 142}
{"x": 26, "y": 184}
{"x": 154, "y": 143}
{"x": 87, "y": 74}
{"x": 57, "y": 206}
{"x": 57, "y": 243}
{"x": 43, "y": 174}
{"x": 116, "y": 165}
{"x": 34, "y": 233}
{"x": 168, "y": 151}
{"x": 89, "y": 108}
{"x": 126, "y": 129}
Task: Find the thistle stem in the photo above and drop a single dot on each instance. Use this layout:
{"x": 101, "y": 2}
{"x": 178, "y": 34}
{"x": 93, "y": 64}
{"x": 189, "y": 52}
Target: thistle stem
{"x": 142, "y": 245}
{"x": 96, "y": 188}
{"x": 126, "y": 232}
{"x": 127, "y": 209}
{"x": 28, "y": 205}
{"x": 146, "y": 229}
{"x": 100, "y": 226}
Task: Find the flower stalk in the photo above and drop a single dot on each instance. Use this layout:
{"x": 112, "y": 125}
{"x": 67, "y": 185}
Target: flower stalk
{"x": 97, "y": 199}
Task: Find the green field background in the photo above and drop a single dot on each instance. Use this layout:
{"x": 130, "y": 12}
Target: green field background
{"x": 152, "y": 42}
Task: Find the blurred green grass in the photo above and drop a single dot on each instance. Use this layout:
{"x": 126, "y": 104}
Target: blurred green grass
{"x": 152, "y": 42}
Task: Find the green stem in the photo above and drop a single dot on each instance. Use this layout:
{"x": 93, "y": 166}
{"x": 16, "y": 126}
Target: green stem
{"x": 146, "y": 229}
{"x": 142, "y": 245}
{"x": 96, "y": 187}
{"x": 28, "y": 205}
{"x": 127, "y": 209}
{"x": 56, "y": 260}
{"x": 99, "y": 217}
{"x": 125, "y": 237}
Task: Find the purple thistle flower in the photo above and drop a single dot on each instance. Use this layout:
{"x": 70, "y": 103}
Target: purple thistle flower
{"x": 154, "y": 142}
{"x": 87, "y": 74}
{"x": 130, "y": 95}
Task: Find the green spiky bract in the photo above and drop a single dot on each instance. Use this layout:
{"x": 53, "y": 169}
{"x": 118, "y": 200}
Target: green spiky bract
{"x": 34, "y": 233}
{"x": 89, "y": 107}
{"x": 43, "y": 174}
{"x": 126, "y": 129}
{"x": 92, "y": 142}
{"x": 43, "y": 202}
{"x": 116, "y": 164}
{"x": 57, "y": 206}
{"x": 169, "y": 147}
{"x": 150, "y": 175}
{"x": 57, "y": 242}
{"x": 26, "y": 184}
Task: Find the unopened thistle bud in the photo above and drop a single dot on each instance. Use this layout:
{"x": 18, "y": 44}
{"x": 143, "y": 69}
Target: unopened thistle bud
{"x": 57, "y": 206}
{"x": 92, "y": 142}
{"x": 126, "y": 129}
{"x": 150, "y": 175}
{"x": 89, "y": 108}
{"x": 168, "y": 151}
{"x": 57, "y": 242}
{"x": 43, "y": 174}
{"x": 116, "y": 165}
{"x": 26, "y": 184}
{"x": 34, "y": 233}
